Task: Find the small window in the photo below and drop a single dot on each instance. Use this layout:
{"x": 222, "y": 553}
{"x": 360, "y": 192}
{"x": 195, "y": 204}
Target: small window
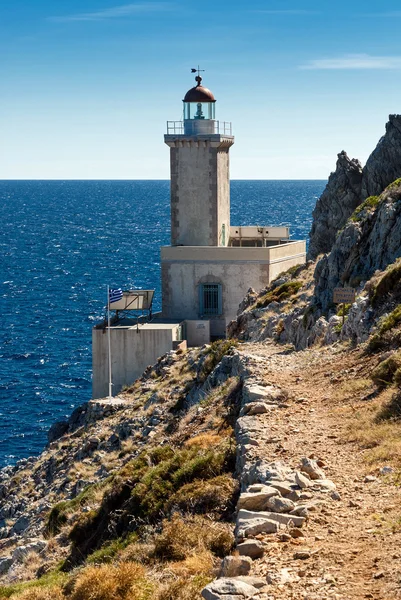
{"x": 210, "y": 301}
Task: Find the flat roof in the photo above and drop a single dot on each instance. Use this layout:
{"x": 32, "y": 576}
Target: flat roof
{"x": 129, "y": 323}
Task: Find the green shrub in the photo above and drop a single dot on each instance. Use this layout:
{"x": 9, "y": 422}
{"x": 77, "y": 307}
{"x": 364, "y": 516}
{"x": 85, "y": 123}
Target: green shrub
{"x": 213, "y": 355}
{"x": 392, "y": 410}
{"x": 183, "y": 535}
{"x": 369, "y": 203}
{"x": 390, "y": 278}
{"x": 199, "y": 496}
{"x": 280, "y": 293}
{"x": 385, "y": 371}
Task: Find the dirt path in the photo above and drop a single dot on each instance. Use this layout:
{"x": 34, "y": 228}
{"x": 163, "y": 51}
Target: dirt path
{"x": 353, "y": 549}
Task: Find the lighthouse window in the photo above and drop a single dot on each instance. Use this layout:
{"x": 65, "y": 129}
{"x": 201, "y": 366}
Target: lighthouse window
{"x": 210, "y": 299}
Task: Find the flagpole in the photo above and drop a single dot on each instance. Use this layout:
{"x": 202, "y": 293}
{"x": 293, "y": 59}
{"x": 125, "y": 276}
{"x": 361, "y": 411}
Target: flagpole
{"x": 109, "y": 341}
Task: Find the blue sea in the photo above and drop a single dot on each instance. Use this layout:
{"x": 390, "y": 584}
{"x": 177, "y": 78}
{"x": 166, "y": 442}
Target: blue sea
{"x": 62, "y": 243}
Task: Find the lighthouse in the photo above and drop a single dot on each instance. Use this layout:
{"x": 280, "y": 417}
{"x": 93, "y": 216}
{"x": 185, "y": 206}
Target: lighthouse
{"x": 199, "y": 168}
{"x": 209, "y": 265}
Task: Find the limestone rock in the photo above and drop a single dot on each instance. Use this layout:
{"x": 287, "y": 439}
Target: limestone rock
{"x": 279, "y": 505}
{"x": 257, "y": 582}
{"x": 228, "y": 589}
{"x": 384, "y": 164}
{"x": 258, "y": 500}
{"x": 250, "y": 527}
{"x": 370, "y": 243}
{"x": 233, "y": 566}
{"x": 21, "y": 552}
{"x": 57, "y": 430}
{"x": 311, "y": 468}
{"x": 282, "y": 519}
{"x": 302, "y": 480}
{"x": 5, "y": 564}
{"x": 337, "y": 203}
{"x": 251, "y": 548}
{"x": 256, "y": 408}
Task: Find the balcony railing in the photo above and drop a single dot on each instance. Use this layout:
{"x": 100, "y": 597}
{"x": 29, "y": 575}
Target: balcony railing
{"x": 220, "y": 127}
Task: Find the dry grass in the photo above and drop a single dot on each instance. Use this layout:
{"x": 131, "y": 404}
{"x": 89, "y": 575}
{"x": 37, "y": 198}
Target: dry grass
{"x": 207, "y": 440}
{"x": 352, "y": 387}
{"x": 125, "y": 581}
{"x": 37, "y": 593}
{"x": 380, "y": 438}
{"x": 184, "y": 537}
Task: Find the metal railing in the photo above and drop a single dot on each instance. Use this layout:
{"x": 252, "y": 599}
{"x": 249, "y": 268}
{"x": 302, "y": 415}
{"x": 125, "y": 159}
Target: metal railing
{"x": 220, "y": 127}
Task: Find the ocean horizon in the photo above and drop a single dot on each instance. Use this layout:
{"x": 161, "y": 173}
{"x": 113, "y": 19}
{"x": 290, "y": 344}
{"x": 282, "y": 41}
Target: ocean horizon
{"x": 63, "y": 242}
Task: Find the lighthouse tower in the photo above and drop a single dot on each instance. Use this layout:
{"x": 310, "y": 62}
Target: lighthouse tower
{"x": 200, "y": 179}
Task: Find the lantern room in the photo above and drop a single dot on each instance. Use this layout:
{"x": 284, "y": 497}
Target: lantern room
{"x": 199, "y": 110}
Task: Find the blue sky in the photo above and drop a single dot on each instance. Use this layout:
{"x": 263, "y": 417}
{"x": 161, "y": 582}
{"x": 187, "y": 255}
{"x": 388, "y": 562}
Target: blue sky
{"x": 86, "y": 87}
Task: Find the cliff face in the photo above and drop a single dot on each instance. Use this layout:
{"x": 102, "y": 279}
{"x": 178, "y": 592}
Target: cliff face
{"x": 337, "y": 203}
{"x": 384, "y": 164}
{"x": 350, "y": 185}
{"x": 370, "y": 241}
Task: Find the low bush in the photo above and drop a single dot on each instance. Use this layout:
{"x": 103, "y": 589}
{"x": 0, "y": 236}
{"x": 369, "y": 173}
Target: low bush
{"x": 386, "y": 283}
{"x": 214, "y": 495}
{"x": 182, "y": 537}
{"x": 385, "y": 336}
{"x": 384, "y": 374}
{"x": 280, "y": 293}
{"x": 213, "y": 355}
{"x": 391, "y": 411}
{"x": 369, "y": 203}
{"x": 125, "y": 581}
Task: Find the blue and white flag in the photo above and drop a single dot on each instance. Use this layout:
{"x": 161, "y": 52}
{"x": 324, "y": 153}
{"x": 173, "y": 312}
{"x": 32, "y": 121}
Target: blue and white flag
{"x": 115, "y": 295}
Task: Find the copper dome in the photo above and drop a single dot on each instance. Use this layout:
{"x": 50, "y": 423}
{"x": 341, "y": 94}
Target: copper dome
{"x": 199, "y": 93}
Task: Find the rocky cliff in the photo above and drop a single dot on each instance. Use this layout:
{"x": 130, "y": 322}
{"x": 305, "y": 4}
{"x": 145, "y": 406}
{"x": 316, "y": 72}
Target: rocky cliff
{"x": 370, "y": 241}
{"x": 384, "y": 164}
{"x": 337, "y": 203}
{"x": 350, "y": 185}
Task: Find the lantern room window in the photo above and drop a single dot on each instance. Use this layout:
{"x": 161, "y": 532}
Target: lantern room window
{"x": 199, "y": 110}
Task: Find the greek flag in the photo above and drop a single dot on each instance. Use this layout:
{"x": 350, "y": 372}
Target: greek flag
{"x": 115, "y": 295}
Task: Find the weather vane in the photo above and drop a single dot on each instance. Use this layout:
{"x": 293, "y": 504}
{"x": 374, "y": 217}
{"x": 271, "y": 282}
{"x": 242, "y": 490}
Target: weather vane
{"x": 198, "y": 78}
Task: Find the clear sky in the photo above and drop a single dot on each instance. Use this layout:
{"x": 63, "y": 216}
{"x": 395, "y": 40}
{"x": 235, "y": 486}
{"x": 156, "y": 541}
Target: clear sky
{"x": 86, "y": 86}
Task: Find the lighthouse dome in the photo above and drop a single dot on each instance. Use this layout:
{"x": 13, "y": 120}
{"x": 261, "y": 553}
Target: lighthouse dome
{"x": 199, "y": 93}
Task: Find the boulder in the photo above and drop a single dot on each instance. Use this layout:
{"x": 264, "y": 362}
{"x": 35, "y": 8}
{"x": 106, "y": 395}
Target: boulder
{"x": 21, "y": 552}
{"x": 233, "y": 566}
{"x": 311, "y": 468}
{"x": 257, "y": 500}
{"x": 5, "y": 564}
{"x": 228, "y": 589}
{"x": 252, "y": 548}
{"x": 282, "y": 519}
{"x": 250, "y": 527}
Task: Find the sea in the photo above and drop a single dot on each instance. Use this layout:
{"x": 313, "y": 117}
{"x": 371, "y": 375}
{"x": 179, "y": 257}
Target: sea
{"x": 62, "y": 243}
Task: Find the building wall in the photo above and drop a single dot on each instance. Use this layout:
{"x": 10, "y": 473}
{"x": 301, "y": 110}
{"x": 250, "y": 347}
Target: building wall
{"x": 236, "y": 269}
{"x": 180, "y": 288}
{"x": 200, "y": 190}
{"x": 131, "y": 353}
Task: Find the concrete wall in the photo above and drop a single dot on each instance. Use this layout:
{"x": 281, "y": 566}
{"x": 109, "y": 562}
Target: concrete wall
{"x": 236, "y": 269}
{"x": 181, "y": 281}
{"x": 131, "y": 353}
{"x": 197, "y": 333}
{"x": 200, "y": 190}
